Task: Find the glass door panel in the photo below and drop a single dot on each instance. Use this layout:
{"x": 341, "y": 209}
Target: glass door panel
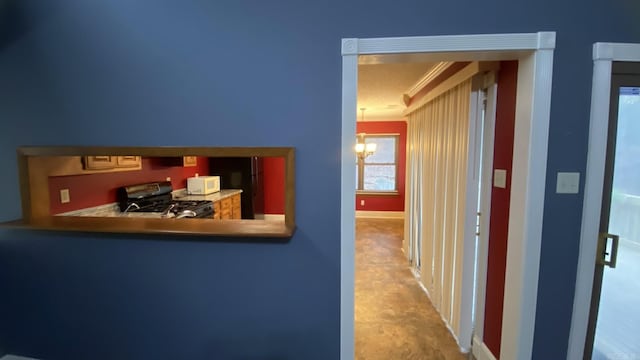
{"x": 617, "y": 330}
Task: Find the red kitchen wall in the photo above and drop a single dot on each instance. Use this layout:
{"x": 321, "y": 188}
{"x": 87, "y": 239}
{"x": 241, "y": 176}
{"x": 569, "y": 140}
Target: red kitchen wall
{"x": 273, "y": 168}
{"x": 98, "y": 189}
{"x": 386, "y": 202}
{"x": 499, "y": 218}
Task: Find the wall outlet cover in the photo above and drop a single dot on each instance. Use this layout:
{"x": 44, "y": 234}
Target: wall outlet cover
{"x": 64, "y": 196}
{"x": 500, "y": 178}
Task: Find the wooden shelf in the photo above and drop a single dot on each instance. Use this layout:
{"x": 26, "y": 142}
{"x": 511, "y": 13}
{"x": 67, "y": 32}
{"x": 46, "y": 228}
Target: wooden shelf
{"x": 195, "y": 227}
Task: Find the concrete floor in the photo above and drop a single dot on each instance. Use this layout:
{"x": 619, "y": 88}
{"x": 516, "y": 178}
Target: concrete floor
{"x": 394, "y": 318}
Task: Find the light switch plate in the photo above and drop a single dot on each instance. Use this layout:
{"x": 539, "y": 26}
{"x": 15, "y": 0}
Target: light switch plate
{"x": 500, "y": 178}
{"x": 64, "y": 196}
{"x": 568, "y": 183}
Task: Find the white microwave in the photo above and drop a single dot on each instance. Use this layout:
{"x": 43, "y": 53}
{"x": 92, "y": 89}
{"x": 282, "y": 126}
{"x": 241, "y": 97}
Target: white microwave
{"x": 203, "y": 185}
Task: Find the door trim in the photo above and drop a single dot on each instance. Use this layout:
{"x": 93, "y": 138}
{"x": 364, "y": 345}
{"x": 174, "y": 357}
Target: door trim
{"x": 604, "y": 54}
{"x": 535, "y": 54}
{"x": 485, "y": 208}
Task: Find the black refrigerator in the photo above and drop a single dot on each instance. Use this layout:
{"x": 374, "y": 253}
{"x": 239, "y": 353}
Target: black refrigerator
{"x": 244, "y": 173}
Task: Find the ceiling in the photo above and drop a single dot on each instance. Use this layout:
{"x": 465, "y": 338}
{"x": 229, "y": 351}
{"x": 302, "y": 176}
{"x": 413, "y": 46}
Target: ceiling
{"x": 381, "y": 85}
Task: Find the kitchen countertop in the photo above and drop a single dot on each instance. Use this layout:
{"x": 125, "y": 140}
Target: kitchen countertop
{"x": 217, "y": 196}
{"x": 113, "y": 210}
{"x": 109, "y": 210}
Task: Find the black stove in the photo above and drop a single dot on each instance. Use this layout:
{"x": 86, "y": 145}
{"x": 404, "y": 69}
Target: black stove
{"x": 156, "y": 197}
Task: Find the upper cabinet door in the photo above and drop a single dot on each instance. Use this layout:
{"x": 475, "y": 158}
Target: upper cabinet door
{"x": 99, "y": 162}
{"x": 105, "y": 162}
{"x": 190, "y": 160}
{"x": 128, "y": 161}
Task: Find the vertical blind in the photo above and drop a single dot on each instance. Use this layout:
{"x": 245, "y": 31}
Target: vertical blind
{"x": 437, "y": 158}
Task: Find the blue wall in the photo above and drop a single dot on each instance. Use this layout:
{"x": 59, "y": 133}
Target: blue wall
{"x": 250, "y": 73}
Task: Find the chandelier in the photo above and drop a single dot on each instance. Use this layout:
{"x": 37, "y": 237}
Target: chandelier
{"x": 364, "y": 149}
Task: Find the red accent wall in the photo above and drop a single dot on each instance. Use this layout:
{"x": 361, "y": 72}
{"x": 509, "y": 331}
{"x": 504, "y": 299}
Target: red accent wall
{"x": 500, "y": 198}
{"x": 99, "y": 189}
{"x": 273, "y": 168}
{"x": 386, "y": 202}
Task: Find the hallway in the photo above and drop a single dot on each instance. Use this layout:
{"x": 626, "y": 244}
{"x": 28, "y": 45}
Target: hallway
{"x": 394, "y": 318}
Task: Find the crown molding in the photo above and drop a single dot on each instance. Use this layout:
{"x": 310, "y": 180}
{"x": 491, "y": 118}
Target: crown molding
{"x": 431, "y": 75}
{"x": 455, "y": 79}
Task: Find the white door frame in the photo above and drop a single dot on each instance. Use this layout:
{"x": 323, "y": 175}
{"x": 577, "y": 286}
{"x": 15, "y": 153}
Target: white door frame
{"x": 604, "y": 54}
{"x": 486, "y": 176}
{"x": 535, "y": 54}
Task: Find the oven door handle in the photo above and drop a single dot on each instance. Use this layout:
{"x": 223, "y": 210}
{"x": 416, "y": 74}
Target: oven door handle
{"x": 186, "y": 214}
{"x": 132, "y": 205}
{"x": 165, "y": 213}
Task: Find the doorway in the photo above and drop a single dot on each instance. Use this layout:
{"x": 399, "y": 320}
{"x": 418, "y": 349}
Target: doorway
{"x": 535, "y": 55}
{"x": 453, "y": 122}
{"x": 450, "y": 120}
{"x": 606, "y": 234}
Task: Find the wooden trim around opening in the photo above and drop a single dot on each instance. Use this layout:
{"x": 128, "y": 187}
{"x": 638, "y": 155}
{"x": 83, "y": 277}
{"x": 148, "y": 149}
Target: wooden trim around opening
{"x": 34, "y": 170}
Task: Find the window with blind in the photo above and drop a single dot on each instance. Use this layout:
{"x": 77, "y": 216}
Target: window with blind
{"x": 377, "y": 173}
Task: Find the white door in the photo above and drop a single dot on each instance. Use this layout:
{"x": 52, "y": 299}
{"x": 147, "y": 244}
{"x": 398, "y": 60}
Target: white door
{"x": 484, "y": 207}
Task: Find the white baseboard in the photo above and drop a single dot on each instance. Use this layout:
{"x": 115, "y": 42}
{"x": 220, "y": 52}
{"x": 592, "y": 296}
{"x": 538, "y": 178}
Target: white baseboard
{"x": 380, "y": 214}
{"x": 272, "y": 217}
{"x": 481, "y": 351}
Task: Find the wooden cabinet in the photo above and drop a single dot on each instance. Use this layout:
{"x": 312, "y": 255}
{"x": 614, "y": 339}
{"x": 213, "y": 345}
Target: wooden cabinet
{"x": 228, "y": 208}
{"x": 104, "y": 162}
{"x": 128, "y": 161}
{"x": 225, "y": 209}
{"x": 189, "y": 161}
{"x": 216, "y": 210}
{"x": 99, "y": 162}
{"x": 236, "y": 211}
